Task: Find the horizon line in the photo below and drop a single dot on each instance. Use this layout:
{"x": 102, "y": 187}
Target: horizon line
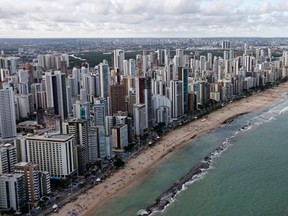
{"x": 215, "y": 37}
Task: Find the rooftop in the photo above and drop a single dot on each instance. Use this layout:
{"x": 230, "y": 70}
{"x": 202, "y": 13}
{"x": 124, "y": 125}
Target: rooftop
{"x": 56, "y": 137}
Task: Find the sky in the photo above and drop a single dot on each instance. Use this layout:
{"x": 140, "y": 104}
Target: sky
{"x": 143, "y": 18}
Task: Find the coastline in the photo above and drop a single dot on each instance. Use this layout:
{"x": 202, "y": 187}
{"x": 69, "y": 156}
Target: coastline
{"x": 137, "y": 167}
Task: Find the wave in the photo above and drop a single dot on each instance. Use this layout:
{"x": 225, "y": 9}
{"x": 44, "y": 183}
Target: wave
{"x": 196, "y": 173}
{"x": 201, "y": 169}
{"x": 270, "y": 115}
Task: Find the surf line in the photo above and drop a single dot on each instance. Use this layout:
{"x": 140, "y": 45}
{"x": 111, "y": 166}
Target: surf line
{"x": 167, "y": 197}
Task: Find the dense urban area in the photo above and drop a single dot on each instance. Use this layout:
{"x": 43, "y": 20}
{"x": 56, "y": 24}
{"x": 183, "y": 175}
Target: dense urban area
{"x": 72, "y": 111}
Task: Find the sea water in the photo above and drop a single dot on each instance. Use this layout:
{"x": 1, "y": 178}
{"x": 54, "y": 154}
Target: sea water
{"x": 249, "y": 178}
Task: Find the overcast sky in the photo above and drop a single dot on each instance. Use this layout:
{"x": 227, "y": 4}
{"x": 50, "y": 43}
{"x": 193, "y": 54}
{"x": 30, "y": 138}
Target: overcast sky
{"x": 143, "y": 18}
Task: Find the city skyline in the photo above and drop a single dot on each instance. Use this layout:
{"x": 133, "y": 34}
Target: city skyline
{"x": 111, "y": 18}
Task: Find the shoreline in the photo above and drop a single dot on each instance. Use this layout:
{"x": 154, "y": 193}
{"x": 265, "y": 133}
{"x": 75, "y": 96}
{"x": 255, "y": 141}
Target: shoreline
{"x": 168, "y": 196}
{"x": 137, "y": 167}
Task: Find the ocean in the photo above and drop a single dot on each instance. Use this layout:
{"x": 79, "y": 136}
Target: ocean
{"x": 249, "y": 177}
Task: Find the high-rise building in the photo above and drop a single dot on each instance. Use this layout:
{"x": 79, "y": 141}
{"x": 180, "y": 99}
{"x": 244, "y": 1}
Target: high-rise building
{"x": 148, "y": 101}
{"x": 118, "y": 60}
{"x": 131, "y": 101}
{"x": 92, "y": 144}
{"x": 34, "y": 88}
{"x": 119, "y": 136}
{"x": 117, "y": 99}
{"x": 269, "y": 54}
{"x": 132, "y": 67}
{"x": 12, "y": 191}
{"x": 65, "y": 57}
{"x": 144, "y": 63}
{"x": 192, "y": 101}
{"x": 176, "y": 64}
{"x": 285, "y": 56}
{"x": 81, "y": 110}
{"x": 139, "y": 65}
{"x": 158, "y": 87}
{"x": 31, "y": 175}
{"x": 49, "y": 89}
{"x": 180, "y": 54}
{"x": 139, "y": 115}
{"x": 54, "y": 61}
{"x": 75, "y": 85}
{"x": 9, "y": 63}
{"x": 7, "y": 113}
{"x": 63, "y": 67}
{"x": 161, "y": 56}
{"x": 97, "y": 143}
{"x": 176, "y": 97}
{"x": 126, "y": 81}
{"x": 44, "y": 181}
{"x": 102, "y": 144}
{"x": 60, "y": 94}
{"x": 168, "y": 73}
{"x": 58, "y": 151}
{"x": 100, "y": 111}
{"x": 104, "y": 80}
{"x": 23, "y": 76}
{"x": 257, "y": 53}
{"x": 249, "y": 62}
{"x": 40, "y": 100}
{"x": 111, "y": 121}
{"x": 8, "y": 158}
{"x": 23, "y": 88}
{"x": 162, "y": 108}
{"x": 57, "y": 93}
{"x": 225, "y": 55}
{"x": 126, "y": 68}
{"x": 183, "y": 76}
{"x": 94, "y": 86}
{"x": 203, "y": 93}
{"x": 79, "y": 129}
{"x": 4, "y": 73}
{"x": 25, "y": 105}
{"x": 226, "y": 44}
{"x": 210, "y": 59}
{"x": 144, "y": 96}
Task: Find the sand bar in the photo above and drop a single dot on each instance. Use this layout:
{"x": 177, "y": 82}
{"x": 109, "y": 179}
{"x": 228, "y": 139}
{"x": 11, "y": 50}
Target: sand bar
{"x": 137, "y": 167}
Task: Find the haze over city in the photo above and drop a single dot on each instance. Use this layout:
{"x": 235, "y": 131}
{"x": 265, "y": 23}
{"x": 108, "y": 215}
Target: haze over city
{"x": 115, "y": 107}
{"x": 129, "y": 18}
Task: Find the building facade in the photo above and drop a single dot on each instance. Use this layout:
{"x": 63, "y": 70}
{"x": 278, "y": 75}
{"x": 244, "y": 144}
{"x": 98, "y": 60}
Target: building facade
{"x": 79, "y": 129}
{"x": 52, "y": 153}
{"x": 8, "y": 158}
{"x": 7, "y": 113}
{"x": 12, "y": 191}
{"x": 31, "y": 175}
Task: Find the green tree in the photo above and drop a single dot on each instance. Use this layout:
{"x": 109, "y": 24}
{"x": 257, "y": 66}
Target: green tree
{"x": 119, "y": 163}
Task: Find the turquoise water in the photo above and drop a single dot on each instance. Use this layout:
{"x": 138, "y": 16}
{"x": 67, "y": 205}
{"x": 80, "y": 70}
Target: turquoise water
{"x": 249, "y": 178}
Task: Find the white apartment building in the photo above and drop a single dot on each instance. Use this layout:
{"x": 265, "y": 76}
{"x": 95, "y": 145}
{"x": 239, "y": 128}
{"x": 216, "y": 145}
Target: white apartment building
{"x": 53, "y": 154}
{"x": 12, "y": 191}
{"x": 139, "y": 118}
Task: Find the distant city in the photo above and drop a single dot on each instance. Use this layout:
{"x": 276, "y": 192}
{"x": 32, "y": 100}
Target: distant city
{"x": 74, "y": 110}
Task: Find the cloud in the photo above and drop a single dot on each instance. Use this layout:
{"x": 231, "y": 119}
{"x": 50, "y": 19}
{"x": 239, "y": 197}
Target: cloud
{"x": 142, "y": 18}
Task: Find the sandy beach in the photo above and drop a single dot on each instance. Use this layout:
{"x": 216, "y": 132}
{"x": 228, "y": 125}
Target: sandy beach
{"x": 137, "y": 167}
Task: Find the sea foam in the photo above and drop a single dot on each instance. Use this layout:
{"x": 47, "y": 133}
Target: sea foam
{"x": 169, "y": 196}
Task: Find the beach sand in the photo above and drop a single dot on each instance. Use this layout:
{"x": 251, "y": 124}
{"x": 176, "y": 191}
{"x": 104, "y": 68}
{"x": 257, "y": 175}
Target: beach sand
{"x": 137, "y": 167}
